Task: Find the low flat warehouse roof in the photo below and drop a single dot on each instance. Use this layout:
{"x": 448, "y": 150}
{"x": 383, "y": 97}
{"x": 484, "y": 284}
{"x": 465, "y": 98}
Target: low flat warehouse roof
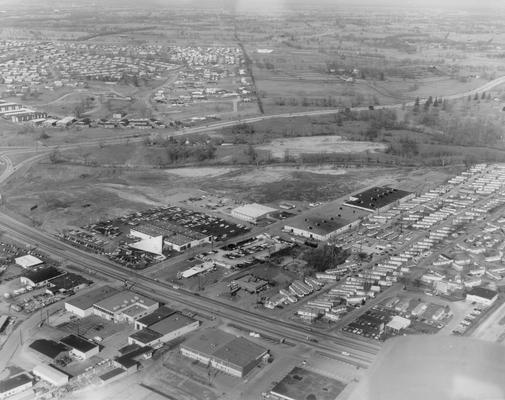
{"x": 326, "y": 219}
{"x": 253, "y": 210}
{"x": 78, "y": 343}
{"x": 86, "y": 300}
{"x": 376, "y": 198}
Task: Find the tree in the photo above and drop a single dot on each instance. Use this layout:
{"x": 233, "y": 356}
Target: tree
{"x": 325, "y": 256}
{"x": 251, "y": 153}
{"x": 416, "y": 104}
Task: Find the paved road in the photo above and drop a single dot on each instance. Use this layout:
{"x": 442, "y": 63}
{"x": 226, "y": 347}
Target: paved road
{"x": 361, "y": 353}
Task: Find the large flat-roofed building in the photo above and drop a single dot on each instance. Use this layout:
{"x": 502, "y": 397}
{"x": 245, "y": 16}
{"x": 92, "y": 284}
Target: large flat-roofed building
{"x": 40, "y": 276}
{"x": 252, "y": 212}
{"x": 326, "y": 221}
{"x": 48, "y": 349}
{"x": 165, "y": 330}
{"x": 28, "y": 261}
{"x": 82, "y": 305}
{"x": 67, "y": 282}
{"x": 15, "y": 384}
{"x": 125, "y": 306}
{"x": 378, "y": 199}
{"x": 156, "y": 316}
{"x": 236, "y": 356}
{"x": 80, "y": 347}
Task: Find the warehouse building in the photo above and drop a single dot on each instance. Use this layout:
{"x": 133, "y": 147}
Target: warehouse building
{"x": 80, "y": 347}
{"x": 67, "y": 282}
{"x": 82, "y": 305}
{"x": 154, "y": 317}
{"x": 378, "y": 199}
{"x": 252, "y": 212}
{"x": 28, "y": 261}
{"x": 49, "y": 350}
{"x": 39, "y": 277}
{"x": 15, "y": 384}
{"x": 125, "y": 306}
{"x": 165, "y": 330}
{"x": 325, "y": 222}
{"x": 51, "y": 375}
{"x": 482, "y": 296}
{"x": 233, "y": 355}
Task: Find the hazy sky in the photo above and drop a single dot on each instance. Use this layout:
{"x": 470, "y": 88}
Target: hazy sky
{"x": 266, "y": 5}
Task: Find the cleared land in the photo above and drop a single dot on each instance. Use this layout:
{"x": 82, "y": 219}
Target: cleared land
{"x": 318, "y": 144}
{"x": 60, "y": 195}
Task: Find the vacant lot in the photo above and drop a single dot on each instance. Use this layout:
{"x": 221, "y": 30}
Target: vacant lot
{"x": 60, "y": 195}
{"x": 318, "y": 144}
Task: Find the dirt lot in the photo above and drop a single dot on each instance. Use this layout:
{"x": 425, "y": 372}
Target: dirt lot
{"x": 69, "y": 195}
{"x": 318, "y": 144}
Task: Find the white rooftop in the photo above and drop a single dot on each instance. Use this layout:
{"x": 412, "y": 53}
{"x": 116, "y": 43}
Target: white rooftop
{"x": 28, "y": 261}
{"x": 253, "y": 210}
{"x": 398, "y": 323}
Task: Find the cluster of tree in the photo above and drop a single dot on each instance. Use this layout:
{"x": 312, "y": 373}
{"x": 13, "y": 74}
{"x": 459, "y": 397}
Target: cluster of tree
{"x": 405, "y": 147}
{"x": 84, "y": 105}
{"x": 325, "y": 256}
{"x": 181, "y": 153}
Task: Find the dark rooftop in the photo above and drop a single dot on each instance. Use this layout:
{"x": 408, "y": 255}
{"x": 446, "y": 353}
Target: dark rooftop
{"x": 42, "y": 274}
{"x": 49, "y": 348}
{"x": 376, "y": 198}
{"x": 156, "y": 316}
{"x": 112, "y": 374}
{"x": 86, "y": 300}
{"x": 145, "y": 335}
{"x": 482, "y": 292}
{"x": 129, "y": 348}
{"x": 14, "y": 382}
{"x": 78, "y": 343}
{"x": 129, "y": 360}
{"x": 68, "y": 281}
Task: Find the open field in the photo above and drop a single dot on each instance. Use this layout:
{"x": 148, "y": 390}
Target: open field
{"x": 319, "y": 144}
{"x": 73, "y": 195}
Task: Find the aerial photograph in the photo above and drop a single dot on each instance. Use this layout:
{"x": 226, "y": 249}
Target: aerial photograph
{"x": 252, "y": 199}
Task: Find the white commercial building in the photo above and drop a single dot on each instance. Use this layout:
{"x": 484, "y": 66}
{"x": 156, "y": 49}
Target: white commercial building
{"x": 82, "y": 304}
{"x": 482, "y": 296}
{"x": 50, "y": 374}
{"x": 28, "y": 261}
{"x": 169, "y": 328}
{"x": 252, "y": 212}
{"x": 125, "y": 306}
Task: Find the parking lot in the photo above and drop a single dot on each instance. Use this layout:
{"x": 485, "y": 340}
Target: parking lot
{"x": 112, "y": 237}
